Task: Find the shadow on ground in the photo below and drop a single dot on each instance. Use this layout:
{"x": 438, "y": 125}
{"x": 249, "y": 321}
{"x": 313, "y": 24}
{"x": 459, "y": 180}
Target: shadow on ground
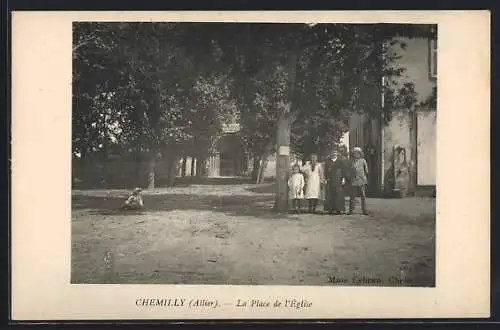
{"x": 236, "y": 205}
{"x": 262, "y": 189}
{"x": 163, "y": 182}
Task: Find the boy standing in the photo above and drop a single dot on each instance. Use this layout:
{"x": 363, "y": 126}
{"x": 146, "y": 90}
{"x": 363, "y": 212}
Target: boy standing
{"x": 359, "y": 181}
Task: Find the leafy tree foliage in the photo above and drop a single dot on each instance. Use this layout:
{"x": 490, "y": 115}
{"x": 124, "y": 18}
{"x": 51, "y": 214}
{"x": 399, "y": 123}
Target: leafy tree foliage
{"x": 139, "y": 79}
{"x": 165, "y": 89}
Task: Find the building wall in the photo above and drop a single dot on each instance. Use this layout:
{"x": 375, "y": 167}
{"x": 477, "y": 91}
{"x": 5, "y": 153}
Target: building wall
{"x": 426, "y": 148}
{"x": 416, "y": 60}
{"x": 418, "y": 139}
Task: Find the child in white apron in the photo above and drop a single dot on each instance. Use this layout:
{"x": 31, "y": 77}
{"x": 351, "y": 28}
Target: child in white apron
{"x": 296, "y": 187}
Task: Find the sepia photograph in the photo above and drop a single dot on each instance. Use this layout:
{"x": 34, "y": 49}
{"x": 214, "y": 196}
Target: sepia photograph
{"x": 204, "y": 165}
{"x": 254, "y": 153}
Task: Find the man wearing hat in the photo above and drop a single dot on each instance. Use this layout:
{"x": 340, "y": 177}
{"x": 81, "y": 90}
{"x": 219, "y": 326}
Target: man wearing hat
{"x": 359, "y": 180}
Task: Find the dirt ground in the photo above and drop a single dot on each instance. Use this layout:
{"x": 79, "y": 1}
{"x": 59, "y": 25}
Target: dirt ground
{"x": 227, "y": 234}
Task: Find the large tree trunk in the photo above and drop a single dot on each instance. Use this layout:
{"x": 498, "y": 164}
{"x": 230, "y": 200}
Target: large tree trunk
{"x": 283, "y": 161}
{"x": 284, "y": 128}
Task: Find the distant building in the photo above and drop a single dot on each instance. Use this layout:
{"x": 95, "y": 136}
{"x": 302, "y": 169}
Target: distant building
{"x": 228, "y": 159}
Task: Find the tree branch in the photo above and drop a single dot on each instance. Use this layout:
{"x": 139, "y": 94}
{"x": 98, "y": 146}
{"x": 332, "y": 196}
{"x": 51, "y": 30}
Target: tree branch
{"x": 83, "y": 43}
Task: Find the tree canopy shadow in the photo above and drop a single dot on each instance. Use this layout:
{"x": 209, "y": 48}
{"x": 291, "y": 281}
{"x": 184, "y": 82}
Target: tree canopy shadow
{"x": 161, "y": 182}
{"x": 187, "y": 181}
{"x": 262, "y": 189}
{"x": 234, "y": 205}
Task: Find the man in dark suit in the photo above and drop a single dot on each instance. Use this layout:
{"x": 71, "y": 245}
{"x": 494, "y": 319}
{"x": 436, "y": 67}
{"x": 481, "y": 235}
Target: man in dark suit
{"x": 335, "y": 174}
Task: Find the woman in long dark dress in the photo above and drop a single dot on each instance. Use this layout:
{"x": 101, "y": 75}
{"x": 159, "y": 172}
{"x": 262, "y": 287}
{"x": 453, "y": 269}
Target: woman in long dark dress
{"x": 335, "y": 173}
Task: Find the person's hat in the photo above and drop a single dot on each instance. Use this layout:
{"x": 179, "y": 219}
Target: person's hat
{"x": 357, "y": 149}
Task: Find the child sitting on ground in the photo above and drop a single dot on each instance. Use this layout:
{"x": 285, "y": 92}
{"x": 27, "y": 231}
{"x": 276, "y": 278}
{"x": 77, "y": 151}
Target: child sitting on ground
{"x": 134, "y": 201}
{"x": 296, "y": 187}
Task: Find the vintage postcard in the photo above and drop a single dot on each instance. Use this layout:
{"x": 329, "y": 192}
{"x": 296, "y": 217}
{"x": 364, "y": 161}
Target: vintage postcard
{"x": 250, "y": 165}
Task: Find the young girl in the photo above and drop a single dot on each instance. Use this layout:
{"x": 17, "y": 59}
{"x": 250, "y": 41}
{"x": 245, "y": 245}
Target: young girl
{"x": 134, "y": 201}
{"x": 296, "y": 187}
{"x": 314, "y": 179}
{"x": 359, "y": 180}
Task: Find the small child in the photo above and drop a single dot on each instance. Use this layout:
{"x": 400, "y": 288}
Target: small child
{"x": 296, "y": 187}
{"x": 359, "y": 180}
{"x": 134, "y": 201}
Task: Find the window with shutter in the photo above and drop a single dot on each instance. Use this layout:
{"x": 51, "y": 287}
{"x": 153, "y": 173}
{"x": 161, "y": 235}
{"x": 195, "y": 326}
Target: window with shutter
{"x": 433, "y": 58}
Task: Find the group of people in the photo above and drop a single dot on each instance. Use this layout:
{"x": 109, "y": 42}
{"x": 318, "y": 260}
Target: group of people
{"x": 315, "y": 181}
{"x": 337, "y": 176}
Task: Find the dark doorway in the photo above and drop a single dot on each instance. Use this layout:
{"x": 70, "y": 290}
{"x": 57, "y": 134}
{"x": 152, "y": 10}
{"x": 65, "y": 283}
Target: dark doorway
{"x": 232, "y": 157}
{"x": 227, "y": 164}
